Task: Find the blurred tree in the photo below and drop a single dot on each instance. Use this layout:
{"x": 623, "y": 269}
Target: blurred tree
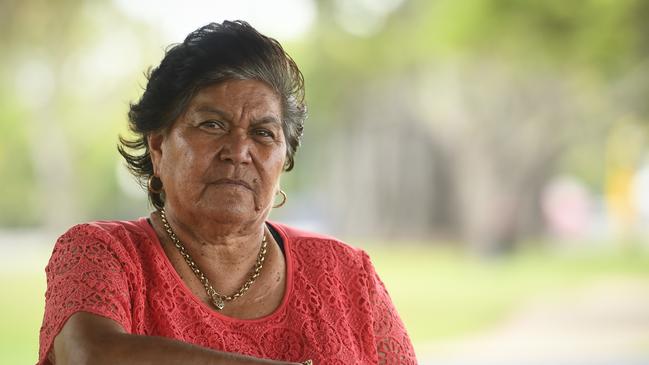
{"x": 437, "y": 117}
{"x": 58, "y": 134}
{"x": 36, "y": 143}
{"x": 507, "y": 89}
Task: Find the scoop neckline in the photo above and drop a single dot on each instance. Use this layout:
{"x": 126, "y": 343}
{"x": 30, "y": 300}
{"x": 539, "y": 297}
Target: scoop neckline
{"x": 288, "y": 289}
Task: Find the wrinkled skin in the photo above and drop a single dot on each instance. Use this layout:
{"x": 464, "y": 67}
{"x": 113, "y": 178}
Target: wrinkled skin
{"x": 221, "y": 160}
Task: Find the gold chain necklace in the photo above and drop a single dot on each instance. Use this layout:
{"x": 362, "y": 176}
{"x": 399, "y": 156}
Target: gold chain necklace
{"x": 217, "y": 299}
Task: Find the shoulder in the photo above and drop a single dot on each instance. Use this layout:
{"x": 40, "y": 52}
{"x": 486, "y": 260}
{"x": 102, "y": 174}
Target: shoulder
{"x": 107, "y": 229}
{"x": 100, "y": 240}
{"x": 107, "y": 232}
{"x": 294, "y": 233}
{"x": 322, "y": 249}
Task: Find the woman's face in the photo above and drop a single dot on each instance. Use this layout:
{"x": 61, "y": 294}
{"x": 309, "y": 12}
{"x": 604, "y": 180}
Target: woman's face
{"x": 222, "y": 158}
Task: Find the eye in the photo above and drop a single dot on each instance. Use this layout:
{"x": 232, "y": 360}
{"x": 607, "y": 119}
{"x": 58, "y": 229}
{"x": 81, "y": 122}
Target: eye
{"x": 263, "y": 132}
{"x": 212, "y": 125}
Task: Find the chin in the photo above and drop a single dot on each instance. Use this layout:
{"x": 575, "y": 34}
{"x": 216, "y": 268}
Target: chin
{"x": 227, "y": 216}
{"x": 231, "y": 210}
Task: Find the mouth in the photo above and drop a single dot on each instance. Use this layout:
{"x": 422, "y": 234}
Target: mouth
{"x": 233, "y": 182}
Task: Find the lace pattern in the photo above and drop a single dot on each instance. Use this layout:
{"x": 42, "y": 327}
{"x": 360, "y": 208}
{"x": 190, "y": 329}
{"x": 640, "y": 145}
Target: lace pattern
{"x": 337, "y": 310}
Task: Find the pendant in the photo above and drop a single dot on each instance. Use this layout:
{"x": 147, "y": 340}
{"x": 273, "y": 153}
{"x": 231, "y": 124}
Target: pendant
{"x": 218, "y": 302}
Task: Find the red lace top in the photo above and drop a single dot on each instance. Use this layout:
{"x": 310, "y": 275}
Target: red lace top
{"x": 335, "y": 308}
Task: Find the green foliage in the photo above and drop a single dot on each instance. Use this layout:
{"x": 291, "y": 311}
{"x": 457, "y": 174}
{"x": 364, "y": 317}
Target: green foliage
{"x": 18, "y": 203}
{"x": 599, "y": 34}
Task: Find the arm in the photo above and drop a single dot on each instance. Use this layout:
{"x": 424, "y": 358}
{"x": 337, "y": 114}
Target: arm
{"x": 391, "y": 339}
{"x": 88, "y": 309}
{"x": 91, "y": 339}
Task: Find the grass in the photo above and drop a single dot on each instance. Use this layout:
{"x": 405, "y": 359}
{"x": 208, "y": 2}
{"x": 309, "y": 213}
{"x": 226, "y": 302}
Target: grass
{"x": 21, "y": 312}
{"x": 440, "y": 293}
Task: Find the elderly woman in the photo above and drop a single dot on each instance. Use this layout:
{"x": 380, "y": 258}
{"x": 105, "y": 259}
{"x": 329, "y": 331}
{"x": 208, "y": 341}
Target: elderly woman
{"x": 206, "y": 279}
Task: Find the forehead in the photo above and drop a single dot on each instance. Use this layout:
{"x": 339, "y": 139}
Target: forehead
{"x": 236, "y": 96}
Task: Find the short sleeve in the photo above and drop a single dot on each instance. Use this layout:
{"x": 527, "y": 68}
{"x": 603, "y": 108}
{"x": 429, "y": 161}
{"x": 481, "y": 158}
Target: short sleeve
{"x": 393, "y": 346}
{"x": 84, "y": 274}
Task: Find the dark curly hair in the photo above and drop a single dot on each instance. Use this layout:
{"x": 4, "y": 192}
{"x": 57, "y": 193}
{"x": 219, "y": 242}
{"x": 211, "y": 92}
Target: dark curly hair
{"x": 211, "y": 54}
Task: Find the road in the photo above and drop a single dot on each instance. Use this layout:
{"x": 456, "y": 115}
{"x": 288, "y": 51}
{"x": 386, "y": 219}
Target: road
{"x": 604, "y": 324}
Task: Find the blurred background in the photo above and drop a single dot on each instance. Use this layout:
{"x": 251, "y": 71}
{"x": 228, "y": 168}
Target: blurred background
{"x": 490, "y": 155}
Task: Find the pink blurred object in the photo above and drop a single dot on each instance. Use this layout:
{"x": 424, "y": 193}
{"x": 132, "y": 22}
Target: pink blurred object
{"x": 567, "y": 207}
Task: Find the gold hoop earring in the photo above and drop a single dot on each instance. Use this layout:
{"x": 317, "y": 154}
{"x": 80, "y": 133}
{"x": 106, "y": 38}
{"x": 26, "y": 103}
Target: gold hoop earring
{"x": 284, "y": 198}
{"x": 154, "y": 184}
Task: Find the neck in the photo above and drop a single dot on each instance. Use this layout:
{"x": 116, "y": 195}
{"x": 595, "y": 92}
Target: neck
{"x": 227, "y": 245}
{"x": 228, "y": 262}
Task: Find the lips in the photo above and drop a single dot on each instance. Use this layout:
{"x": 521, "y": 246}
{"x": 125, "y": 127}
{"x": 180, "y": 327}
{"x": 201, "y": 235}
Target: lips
{"x": 233, "y": 182}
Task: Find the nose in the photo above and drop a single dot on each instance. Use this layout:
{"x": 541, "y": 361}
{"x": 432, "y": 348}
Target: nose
{"x": 236, "y": 148}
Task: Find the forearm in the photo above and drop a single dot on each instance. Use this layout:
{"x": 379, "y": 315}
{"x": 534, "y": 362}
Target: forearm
{"x": 126, "y": 349}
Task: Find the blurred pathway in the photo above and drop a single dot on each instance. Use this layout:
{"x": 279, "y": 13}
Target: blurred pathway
{"x": 25, "y": 252}
{"x": 605, "y": 324}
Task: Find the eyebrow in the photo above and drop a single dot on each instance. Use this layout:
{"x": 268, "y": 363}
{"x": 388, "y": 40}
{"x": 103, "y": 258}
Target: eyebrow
{"x": 268, "y": 119}
{"x": 213, "y": 110}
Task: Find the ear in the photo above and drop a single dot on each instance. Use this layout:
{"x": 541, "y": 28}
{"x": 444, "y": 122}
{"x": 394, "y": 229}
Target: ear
{"x": 154, "y": 140}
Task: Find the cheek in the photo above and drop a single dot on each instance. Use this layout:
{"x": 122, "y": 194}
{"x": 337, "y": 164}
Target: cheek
{"x": 279, "y": 160}
{"x": 272, "y": 168}
{"x": 183, "y": 166}
{"x": 190, "y": 155}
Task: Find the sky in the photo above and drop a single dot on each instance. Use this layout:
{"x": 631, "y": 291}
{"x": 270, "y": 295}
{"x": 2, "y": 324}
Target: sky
{"x": 282, "y": 19}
